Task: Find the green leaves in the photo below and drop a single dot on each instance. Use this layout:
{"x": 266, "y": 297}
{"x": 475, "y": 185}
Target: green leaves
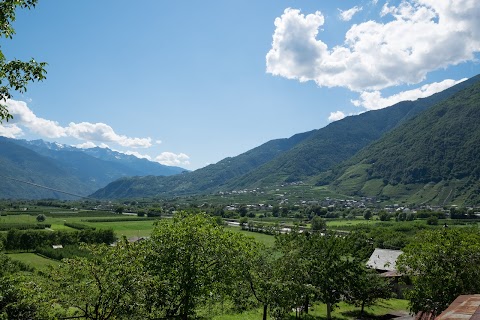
{"x": 442, "y": 264}
{"x": 15, "y": 74}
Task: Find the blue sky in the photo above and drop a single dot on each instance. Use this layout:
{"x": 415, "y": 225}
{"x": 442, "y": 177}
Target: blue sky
{"x": 189, "y": 83}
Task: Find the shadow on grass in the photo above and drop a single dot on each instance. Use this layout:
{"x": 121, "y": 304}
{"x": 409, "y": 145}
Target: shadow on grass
{"x": 347, "y": 315}
{"x": 355, "y": 314}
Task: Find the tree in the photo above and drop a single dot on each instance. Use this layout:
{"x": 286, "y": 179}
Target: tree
{"x": 190, "y": 260}
{"x": 383, "y": 216}
{"x": 16, "y": 293}
{"x": 15, "y": 74}
{"x": 318, "y": 265}
{"x": 367, "y": 215}
{"x": 318, "y": 224}
{"x": 41, "y": 217}
{"x": 442, "y": 264}
{"x": 367, "y": 288}
{"x": 107, "y": 285}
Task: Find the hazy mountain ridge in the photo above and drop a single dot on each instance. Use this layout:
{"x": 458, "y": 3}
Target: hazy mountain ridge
{"x": 65, "y": 168}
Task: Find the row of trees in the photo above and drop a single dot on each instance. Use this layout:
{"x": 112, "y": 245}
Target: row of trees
{"x": 193, "y": 265}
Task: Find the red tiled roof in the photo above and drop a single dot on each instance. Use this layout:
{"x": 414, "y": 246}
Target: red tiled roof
{"x": 465, "y": 307}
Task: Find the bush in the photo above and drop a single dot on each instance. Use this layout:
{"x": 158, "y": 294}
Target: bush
{"x": 121, "y": 219}
{"x": 432, "y": 220}
{"x": 23, "y": 226}
{"x": 41, "y": 217}
{"x": 31, "y": 239}
{"x": 69, "y": 251}
{"x": 78, "y": 226}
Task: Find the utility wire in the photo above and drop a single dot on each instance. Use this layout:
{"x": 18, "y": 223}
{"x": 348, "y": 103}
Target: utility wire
{"x": 48, "y": 188}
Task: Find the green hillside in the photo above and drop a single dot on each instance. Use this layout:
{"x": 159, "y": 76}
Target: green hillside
{"x": 433, "y": 158}
{"x": 285, "y": 160}
{"x": 207, "y": 179}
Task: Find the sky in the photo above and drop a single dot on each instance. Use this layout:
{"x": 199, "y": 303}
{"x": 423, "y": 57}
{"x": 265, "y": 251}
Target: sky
{"x": 189, "y": 83}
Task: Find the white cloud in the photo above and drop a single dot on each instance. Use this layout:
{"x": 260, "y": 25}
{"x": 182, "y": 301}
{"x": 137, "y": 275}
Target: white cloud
{"x": 374, "y": 100}
{"x": 137, "y": 154}
{"x": 422, "y": 36}
{"x": 337, "y": 115}
{"x": 104, "y": 133}
{"x": 172, "y": 159}
{"x": 22, "y": 115}
{"x": 89, "y": 132}
{"x": 85, "y": 145}
{"x": 10, "y": 131}
{"x": 158, "y": 141}
{"x": 347, "y": 15}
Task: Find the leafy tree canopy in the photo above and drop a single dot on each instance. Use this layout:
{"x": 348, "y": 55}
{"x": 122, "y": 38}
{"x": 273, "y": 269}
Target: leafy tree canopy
{"x": 15, "y": 74}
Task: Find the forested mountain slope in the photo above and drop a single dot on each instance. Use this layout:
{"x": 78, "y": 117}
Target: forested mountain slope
{"x": 206, "y": 179}
{"x": 284, "y": 160}
{"x": 432, "y": 158}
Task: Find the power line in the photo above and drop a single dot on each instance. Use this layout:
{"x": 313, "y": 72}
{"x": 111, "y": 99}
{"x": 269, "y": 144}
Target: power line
{"x": 45, "y": 187}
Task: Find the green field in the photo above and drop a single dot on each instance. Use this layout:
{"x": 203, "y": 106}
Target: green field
{"x": 123, "y": 228}
{"x": 266, "y": 239}
{"x": 34, "y": 260}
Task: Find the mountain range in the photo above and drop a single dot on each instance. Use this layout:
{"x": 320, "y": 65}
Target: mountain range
{"x": 425, "y": 151}
{"x": 65, "y": 169}
{"x": 316, "y": 157}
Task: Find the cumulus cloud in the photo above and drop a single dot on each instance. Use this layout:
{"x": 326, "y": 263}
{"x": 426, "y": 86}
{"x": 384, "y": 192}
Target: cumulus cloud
{"x": 172, "y": 159}
{"x": 23, "y": 116}
{"x": 10, "y": 131}
{"x": 421, "y": 36}
{"x": 347, "y": 15}
{"x": 137, "y": 154}
{"x": 337, "y": 115}
{"x": 85, "y": 145}
{"x": 104, "y": 133}
{"x": 374, "y": 100}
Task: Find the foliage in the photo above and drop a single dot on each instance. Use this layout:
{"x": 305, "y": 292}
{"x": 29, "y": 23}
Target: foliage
{"x": 367, "y": 288}
{"x": 120, "y": 219}
{"x": 69, "y": 251}
{"x": 190, "y": 262}
{"x": 432, "y": 220}
{"x": 41, "y": 217}
{"x": 107, "y": 285}
{"x": 311, "y": 262}
{"x": 15, "y": 74}
{"x": 29, "y": 240}
{"x": 318, "y": 224}
{"x": 23, "y": 226}
{"x": 442, "y": 264}
{"x": 78, "y": 226}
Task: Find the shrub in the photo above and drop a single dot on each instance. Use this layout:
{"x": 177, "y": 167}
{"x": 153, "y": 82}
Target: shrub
{"x": 41, "y": 217}
{"x": 78, "y": 226}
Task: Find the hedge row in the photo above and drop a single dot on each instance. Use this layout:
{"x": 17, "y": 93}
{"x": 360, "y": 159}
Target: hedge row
{"x": 69, "y": 251}
{"x": 78, "y": 226}
{"x": 121, "y": 219}
{"x": 23, "y": 226}
{"x": 80, "y": 213}
{"x": 31, "y": 239}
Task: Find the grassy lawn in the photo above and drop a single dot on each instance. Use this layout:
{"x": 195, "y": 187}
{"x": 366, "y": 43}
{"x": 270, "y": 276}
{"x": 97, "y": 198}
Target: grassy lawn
{"x": 33, "y": 260}
{"x": 260, "y": 237}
